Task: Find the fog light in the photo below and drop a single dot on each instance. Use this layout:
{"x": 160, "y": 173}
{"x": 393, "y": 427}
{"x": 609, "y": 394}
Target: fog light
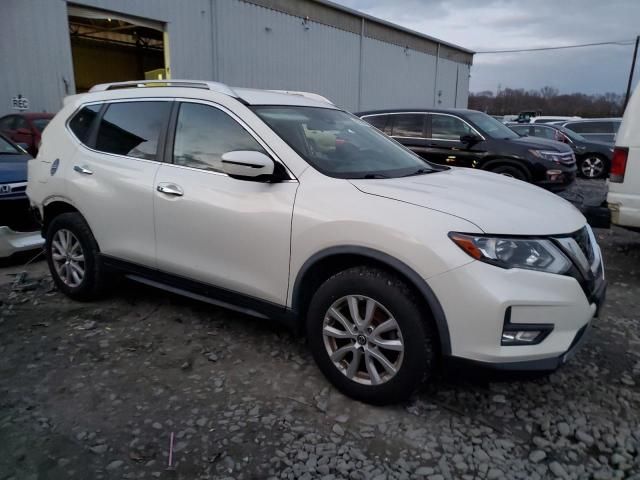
{"x": 511, "y": 337}
{"x": 554, "y": 175}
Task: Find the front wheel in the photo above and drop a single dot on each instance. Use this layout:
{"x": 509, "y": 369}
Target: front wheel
{"x": 369, "y": 337}
{"x": 593, "y": 166}
{"x": 509, "y": 171}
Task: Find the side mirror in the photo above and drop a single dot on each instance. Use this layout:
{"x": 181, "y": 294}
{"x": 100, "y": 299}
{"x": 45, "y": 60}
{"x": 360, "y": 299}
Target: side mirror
{"x": 24, "y": 131}
{"x": 469, "y": 139}
{"x": 247, "y": 164}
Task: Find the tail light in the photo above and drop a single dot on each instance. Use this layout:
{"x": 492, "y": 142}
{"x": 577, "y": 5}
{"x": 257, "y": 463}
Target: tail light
{"x": 618, "y": 164}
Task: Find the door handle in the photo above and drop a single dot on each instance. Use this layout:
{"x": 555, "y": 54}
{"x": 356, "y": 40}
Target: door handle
{"x": 83, "y": 170}
{"x": 170, "y": 189}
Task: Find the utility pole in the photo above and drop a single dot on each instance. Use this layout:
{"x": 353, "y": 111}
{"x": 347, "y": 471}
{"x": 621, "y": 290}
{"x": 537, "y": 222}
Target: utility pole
{"x": 633, "y": 67}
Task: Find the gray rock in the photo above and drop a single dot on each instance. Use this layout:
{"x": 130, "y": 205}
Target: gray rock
{"x": 584, "y": 438}
{"x": 424, "y": 471}
{"x": 557, "y": 469}
{"x": 99, "y": 449}
{"x": 537, "y": 456}
{"x": 115, "y": 465}
{"x": 338, "y": 430}
{"x": 495, "y": 474}
{"x": 564, "y": 429}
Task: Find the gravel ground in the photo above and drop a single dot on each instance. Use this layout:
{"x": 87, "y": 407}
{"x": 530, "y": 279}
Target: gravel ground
{"x": 93, "y": 391}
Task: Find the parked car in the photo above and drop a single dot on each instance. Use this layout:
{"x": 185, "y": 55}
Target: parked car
{"x": 18, "y": 229}
{"x": 526, "y": 115}
{"x": 593, "y": 158}
{"x": 551, "y": 119}
{"x": 624, "y": 178}
{"x": 598, "y": 129}
{"x": 468, "y": 138}
{"x": 25, "y": 128}
{"x": 218, "y": 194}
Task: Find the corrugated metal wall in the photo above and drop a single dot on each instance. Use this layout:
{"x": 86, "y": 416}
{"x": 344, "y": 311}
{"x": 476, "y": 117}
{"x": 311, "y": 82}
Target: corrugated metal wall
{"x": 35, "y": 54}
{"x": 232, "y": 41}
{"x": 396, "y": 77}
{"x": 262, "y": 48}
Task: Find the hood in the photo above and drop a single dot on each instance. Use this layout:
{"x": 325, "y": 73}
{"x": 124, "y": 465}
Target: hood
{"x": 540, "y": 143}
{"x": 13, "y": 168}
{"x": 495, "y": 203}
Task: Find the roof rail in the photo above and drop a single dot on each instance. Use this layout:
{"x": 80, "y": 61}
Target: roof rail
{"x": 309, "y": 95}
{"x": 214, "y": 86}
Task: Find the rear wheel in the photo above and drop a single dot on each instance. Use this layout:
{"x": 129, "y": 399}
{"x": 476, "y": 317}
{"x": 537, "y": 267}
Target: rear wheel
{"x": 369, "y": 336}
{"x": 509, "y": 171}
{"x": 73, "y": 257}
{"x": 593, "y": 166}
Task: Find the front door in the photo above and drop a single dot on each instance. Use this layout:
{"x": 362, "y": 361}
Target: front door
{"x": 444, "y": 144}
{"x": 222, "y": 231}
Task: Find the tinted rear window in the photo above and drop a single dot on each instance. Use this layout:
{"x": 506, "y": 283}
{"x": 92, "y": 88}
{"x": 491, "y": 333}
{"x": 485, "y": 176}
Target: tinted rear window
{"x": 132, "y": 128}
{"x": 378, "y": 121}
{"x": 593, "y": 127}
{"x": 81, "y": 122}
{"x": 408, "y": 125}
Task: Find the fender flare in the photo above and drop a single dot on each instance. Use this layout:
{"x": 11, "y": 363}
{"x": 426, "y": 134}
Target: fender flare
{"x": 393, "y": 263}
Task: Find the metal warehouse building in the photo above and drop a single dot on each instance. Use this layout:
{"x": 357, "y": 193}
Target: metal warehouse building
{"x": 53, "y": 48}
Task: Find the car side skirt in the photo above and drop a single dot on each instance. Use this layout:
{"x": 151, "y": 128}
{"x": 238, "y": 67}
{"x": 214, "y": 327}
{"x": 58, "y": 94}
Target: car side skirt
{"x": 200, "y": 291}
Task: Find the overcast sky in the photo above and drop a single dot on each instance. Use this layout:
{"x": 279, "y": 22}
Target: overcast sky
{"x": 510, "y": 24}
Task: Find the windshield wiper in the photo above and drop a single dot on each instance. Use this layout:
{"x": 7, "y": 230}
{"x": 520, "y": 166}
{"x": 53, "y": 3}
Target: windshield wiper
{"x": 420, "y": 171}
{"x": 374, "y": 175}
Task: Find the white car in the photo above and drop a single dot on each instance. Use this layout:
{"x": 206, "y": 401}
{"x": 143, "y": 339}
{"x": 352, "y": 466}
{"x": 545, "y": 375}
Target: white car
{"x": 385, "y": 261}
{"x": 624, "y": 176}
{"x": 551, "y": 119}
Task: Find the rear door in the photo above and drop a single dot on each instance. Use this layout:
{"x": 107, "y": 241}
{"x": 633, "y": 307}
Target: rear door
{"x": 444, "y": 145}
{"x": 112, "y": 177}
{"x": 410, "y": 130}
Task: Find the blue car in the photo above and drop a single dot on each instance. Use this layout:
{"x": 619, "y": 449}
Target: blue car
{"x": 18, "y": 229}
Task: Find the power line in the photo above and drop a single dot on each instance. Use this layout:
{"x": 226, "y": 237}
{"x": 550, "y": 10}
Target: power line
{"x": 620, "y": 42}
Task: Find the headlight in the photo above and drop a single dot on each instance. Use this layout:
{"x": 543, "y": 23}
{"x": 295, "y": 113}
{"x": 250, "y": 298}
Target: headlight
{"x": 530, "y": 254}
{"x": 547, "y": 155}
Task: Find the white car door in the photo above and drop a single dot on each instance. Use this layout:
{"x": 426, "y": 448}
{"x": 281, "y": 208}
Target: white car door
{"x": 112, "y": 178}
{"x": 222, "y": 231}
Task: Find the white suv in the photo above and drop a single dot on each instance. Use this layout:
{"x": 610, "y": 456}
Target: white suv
{"x": 283, "y": 206}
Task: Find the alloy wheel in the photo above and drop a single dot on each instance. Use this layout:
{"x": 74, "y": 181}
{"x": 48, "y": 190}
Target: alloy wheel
{"x": 592, "y": 167}
{"x": 68, "y": 258}
{"x": 363, "y": 340}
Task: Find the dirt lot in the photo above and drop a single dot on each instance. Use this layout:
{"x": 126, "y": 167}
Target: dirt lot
{"x": 95, "y": 391}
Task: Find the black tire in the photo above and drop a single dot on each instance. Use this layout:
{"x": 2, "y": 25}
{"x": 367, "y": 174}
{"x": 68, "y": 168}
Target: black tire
{"x": 509, "y": 171}
{"x": 93, "y": 283}
{"x": 416, "y": 330}
{"x": 593, "y": 166}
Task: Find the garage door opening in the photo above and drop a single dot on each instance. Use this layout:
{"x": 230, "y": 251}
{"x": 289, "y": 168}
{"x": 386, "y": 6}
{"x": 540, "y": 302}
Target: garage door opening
{"x": 109, "y": 47}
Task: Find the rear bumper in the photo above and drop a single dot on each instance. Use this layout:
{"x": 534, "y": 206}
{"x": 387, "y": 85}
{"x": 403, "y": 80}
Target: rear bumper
{"x": 13, "y": 242}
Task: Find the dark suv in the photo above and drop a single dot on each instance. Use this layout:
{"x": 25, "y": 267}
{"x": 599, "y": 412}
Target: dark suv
{"x": 468, "y": 138}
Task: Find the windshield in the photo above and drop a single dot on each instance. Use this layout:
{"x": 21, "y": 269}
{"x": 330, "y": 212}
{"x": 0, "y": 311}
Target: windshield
{"x": 341, "y": 145}
{"x": 40, "y": 123}
{"x": 490, "y": 126}
{"x": 7, "y": 148}
{"x": 572, "y": 135}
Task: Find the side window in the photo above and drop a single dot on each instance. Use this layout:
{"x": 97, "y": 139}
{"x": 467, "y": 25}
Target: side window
{"x": 378, "y": 121}
{"x": 204, "y": 134}
{"x": 446, "y": 127}
{"x": 408, "y": 125}
{"x": 82, "y": 121}
{"x": 132, "y": 128}
{"x": 7, "y": 123}
{"x": 521, "y": 130}
{"x": 544, "y": 132}
{"x": 21, "y": 123}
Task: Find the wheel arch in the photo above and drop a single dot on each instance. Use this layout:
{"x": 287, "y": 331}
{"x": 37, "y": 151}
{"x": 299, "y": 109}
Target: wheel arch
{"x": 325, "y": 263}
{"x": 501, "y": 161}
{"x": 54, "y": 208}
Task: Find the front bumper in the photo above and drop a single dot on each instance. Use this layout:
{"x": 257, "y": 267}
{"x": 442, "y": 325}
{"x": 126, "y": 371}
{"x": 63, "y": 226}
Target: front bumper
{"x": 476, "y": 297}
